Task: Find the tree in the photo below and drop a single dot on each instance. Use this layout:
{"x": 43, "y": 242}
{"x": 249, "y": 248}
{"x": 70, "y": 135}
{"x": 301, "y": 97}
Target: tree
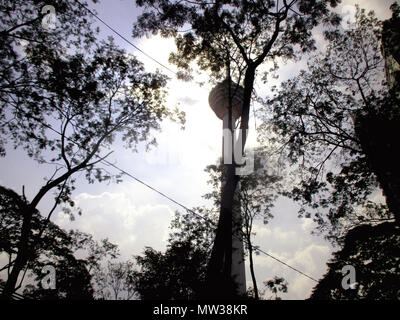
{"x": 275, "y": 285}
{"x": 340, "y": 119}
{"x": 179, "y": 272}
{"x": 72, "y": 100}
{"x": 236, "y": 37}
{"x": 257, "y": 193}
{"x": 320, "y": 116}
{"x": 115, "y": 281}
{"x": 377, "y": 127}
{"x": 26, "y": 47}
{"x": 374, "y": 253}
{"x": 55, "y": 247}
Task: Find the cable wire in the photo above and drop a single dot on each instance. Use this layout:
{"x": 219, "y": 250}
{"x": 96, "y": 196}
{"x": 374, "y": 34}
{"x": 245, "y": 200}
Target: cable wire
{"x": 204, "y": 218}
{"x": 287, "y": 265}
{"x": 124, "y": 38}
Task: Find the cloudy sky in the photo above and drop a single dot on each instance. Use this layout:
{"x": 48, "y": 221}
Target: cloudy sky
{"x": 133, "y": 216}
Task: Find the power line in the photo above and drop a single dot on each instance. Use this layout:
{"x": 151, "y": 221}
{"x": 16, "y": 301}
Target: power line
{"x": 157, "y": 191}
{"x": 204, "y": 218}
{"x": 284, "y": 263}
{"x": 124, "y": 38}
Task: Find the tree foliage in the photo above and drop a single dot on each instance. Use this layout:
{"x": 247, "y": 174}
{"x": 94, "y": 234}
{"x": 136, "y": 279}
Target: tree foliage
{"x": 338, "y": 121}
{"x": 25, "y": 48}
{"x": 318, "y": 114}
{"x": 115, "y": 281}
{"x": 233, "y": 38}
{"x": 374, "y": 252}
{"x": 67, "y": 99}
{"x": 276, "y": 285}
{"x": 244, "y": 32}
{"x": 74, "y": 255}
{"x": 255, "y": 198}
{"x": 179, "y": 272}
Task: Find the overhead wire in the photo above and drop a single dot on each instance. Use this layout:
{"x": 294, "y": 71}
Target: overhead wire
{"x": 124, "y": 38}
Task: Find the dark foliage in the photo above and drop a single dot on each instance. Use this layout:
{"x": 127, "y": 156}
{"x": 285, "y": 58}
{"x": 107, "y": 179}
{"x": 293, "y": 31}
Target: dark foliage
{"x": 54, "y": 247}
{"x": 232, "y": 39}
{"x": 374, "y": 252}
{"x": 66, "y": 98}
{"x": 179, "y": 272}
{"x": 317, "y": 113}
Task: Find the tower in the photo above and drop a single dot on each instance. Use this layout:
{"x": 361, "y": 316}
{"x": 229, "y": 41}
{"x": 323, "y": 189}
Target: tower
{"x": 227, "y": 260}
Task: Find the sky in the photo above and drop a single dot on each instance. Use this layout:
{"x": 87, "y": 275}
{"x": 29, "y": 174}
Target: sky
{"x": 133, "y": 216}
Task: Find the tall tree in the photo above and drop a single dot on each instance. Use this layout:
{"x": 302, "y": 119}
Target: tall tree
{"x": 324, "y": 116}
{"x": 66, "y": 104}
{"x": 339, "y": 123}
{"x": 377, "y": 127}
{"x": 242, "y": 35}
{"x": 257, "y": 193}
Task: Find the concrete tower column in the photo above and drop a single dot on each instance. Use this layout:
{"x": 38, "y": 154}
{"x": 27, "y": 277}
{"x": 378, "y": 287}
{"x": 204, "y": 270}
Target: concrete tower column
{"x": 233, "y": 254}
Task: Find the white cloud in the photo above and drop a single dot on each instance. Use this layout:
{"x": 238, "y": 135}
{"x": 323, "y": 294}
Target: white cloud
{"x": 380, "y": 7}
{"x": 116, "y": 216}
{"x": 288, "y": 239}
{"x": 312, "y": 260}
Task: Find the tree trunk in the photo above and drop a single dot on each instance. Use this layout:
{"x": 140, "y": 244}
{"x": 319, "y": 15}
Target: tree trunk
{"x": 253, "y": 276}
{"x": 380, "y": 143}
{"x": 218, "y": 279}
{"x": 24, "y": 251}
{"x": 22, "y": 254}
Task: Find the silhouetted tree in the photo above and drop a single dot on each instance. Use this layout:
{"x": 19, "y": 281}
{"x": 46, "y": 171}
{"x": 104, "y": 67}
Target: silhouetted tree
{"x": 67, "y": 101}
{"x": 374, "y": 253}
{"x": 180, "y": 271}
{"x": 115, "y": 282}
{"x": 276, "y": 285}
{"x": 318, "y": 114}
{"x": 53, "y": 246}
{"x": 234, "y": 38}
{"x": 256, "y": 195}
{"x": 339, "y": 122}
{"x": 377, "y": 127}
{"x": 26, "y": 48}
